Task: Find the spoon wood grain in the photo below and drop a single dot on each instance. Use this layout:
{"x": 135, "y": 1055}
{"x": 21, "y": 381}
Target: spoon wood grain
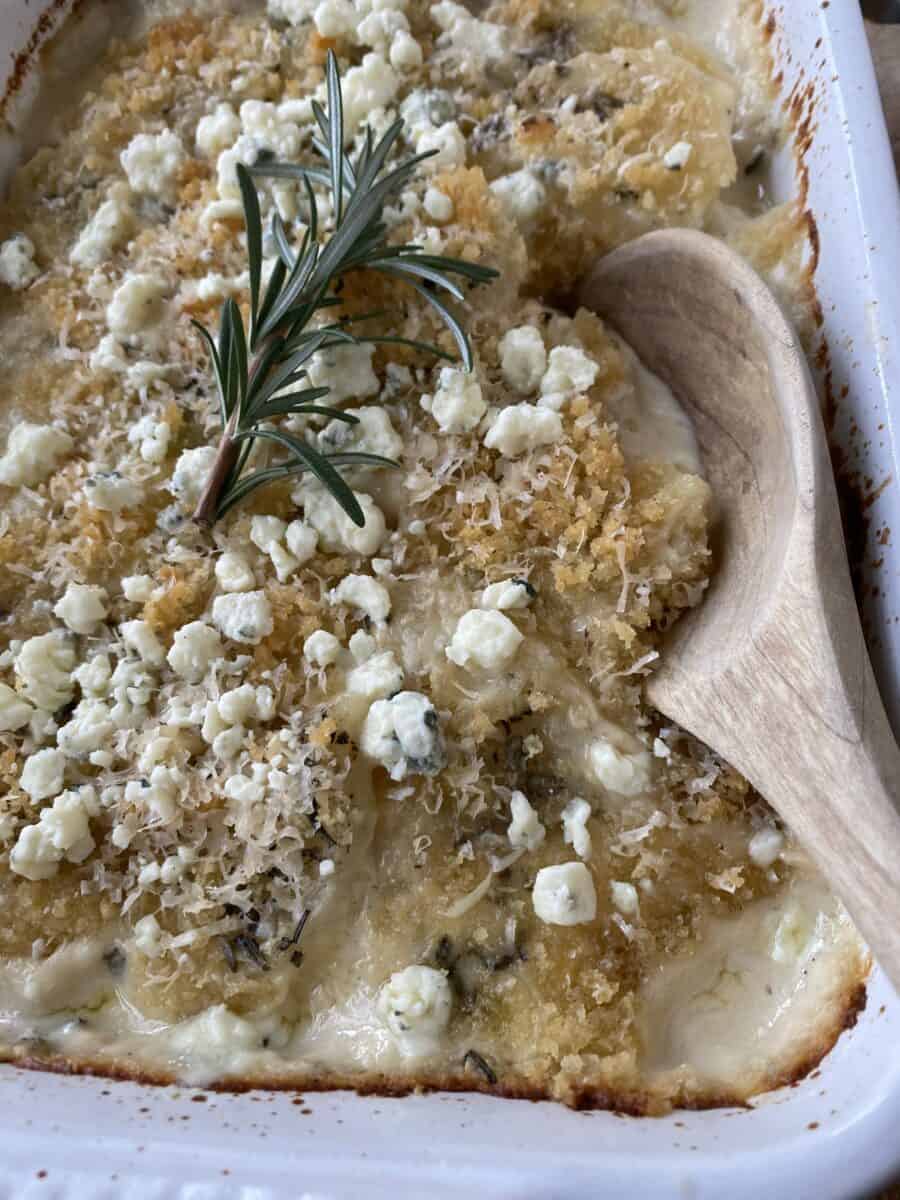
{"x": 771, "y": 670}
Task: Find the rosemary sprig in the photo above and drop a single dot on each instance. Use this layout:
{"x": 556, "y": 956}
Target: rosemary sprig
{"x": 256, "y": 373}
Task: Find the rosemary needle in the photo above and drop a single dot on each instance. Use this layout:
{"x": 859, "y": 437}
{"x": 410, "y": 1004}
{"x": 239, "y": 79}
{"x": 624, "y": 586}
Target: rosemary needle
{"x": 260, "y": 373}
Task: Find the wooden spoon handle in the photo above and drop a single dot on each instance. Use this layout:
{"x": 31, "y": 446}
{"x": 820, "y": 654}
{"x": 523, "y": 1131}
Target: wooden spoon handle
{"x": 796, "y": 709}
{"x": 837, "y": 784}
{"x": 772, "y": 669}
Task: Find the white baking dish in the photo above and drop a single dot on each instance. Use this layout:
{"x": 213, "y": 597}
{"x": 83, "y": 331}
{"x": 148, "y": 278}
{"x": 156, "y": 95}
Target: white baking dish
{"x": 835, "y": 1135}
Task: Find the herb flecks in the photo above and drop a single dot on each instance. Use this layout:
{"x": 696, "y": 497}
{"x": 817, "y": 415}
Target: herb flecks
{"x": 475, "y": 1061}
{"x": 260, "y": 372}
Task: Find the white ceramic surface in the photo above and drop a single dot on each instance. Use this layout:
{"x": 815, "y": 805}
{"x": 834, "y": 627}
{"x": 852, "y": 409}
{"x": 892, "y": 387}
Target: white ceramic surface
{"x": 833, "y": 1137}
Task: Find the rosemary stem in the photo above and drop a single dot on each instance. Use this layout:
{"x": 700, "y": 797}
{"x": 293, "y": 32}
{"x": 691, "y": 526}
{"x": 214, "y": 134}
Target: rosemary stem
{"x": 207, "y": 505}
{"x": 229, "y": 449}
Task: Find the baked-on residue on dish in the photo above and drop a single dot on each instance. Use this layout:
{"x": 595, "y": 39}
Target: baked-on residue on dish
{"x": 297, "y": 803}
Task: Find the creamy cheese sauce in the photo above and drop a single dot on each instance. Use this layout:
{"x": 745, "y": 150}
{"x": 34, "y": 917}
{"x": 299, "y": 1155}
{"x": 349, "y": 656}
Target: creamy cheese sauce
{"x": 293, "y": 802}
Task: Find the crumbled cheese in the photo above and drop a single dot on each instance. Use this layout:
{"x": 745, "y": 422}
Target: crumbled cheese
{"x": 243, "y": 616}
{"x": 346, "y": 371}
{"x": 111, "y": 492}
{"x": 362, "y": 646}
{"x": 677, "y": 156}
{"x": 43, "y": 774}
{"x": 267, "y": 534}
{"x": 379, "y": 27}
{"x": 457, "y": 404}
{"x": 14, "y": 711}
{"x": 293, "y": 11}
{"x": 148, "y": 937}
{"x": 17, "y": 266}
{"x": 155, "y": 797}
{"x": 405, "y": 53}
{"x": 269, "y": 128}
{"x": 365, "y": 593}
{"x": 474, "y": 43}
{"x": 245, "y": 150}
{"x": 525, "y": 830}
{"x": 93, "y": 676}
{"x": 87, "y": 730}
{"x": 108, "y": 355}
{"x": 523, "y": 358}
{"x": 564, "y": 895}
{"x": 266, "y": 531}
{"x": 82, "y": 607}
{"x": 62, "y": 832}
{"x": 438, "y": 205}
{"x": 191, "y": 473}
{"x": 522, "y": 427}
{"x": 509, "y": 593}
{"x": 132, "y": 687}
{"x": 194, "y": 647}
{"x": 234, "y": 573}
{"x": 321, "y": 648}
{"x": 765, "y": 846}
{"x": 246, "y": 703}
{"x": 225, "y": 720}
{"x": 142, "y": 374}
{"x": 373, "y": 433}
{"x": 446, "y": 144}
{"x": 426, "y": 109}
{"x": 229, "y": 209}
{"x": 137, "y": 589}
{"x": 217, "y": 131}
{"x": 152, "y": 438}
{"x": 157, "y": 750}
{"x": 138, "y": 303}
{"x": 32, "y": 452}
{"x": 301, "y": 540}
{"x": 230, "y": 742}
{"x": 336, "y": 19}
{"x": 624, "y": 897}
{"x": 378, "y": 676}
{"x": 576, "y": 834}
{"x": 110, "y": 226}
{"x": 152, "y": 162}
{"x": 335, "y": 529}
{"x": 624, "y": 774}
{"x": 484, "y": 638}
{"x": 211, "y": 287}
{"x": 44, "y": 665}
{"x": 403, "y": 735}
{"x": 415, "y": 1005}
{"x": 139, "y": 637}
{"x": 244, "y": 790}
{"x": 570, "y": 372}
{"x": 373, "y": 84}
{"x": 522, "y": 196}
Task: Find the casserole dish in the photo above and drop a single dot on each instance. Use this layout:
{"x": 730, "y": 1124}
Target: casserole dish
{"x": 500, "y": 1140}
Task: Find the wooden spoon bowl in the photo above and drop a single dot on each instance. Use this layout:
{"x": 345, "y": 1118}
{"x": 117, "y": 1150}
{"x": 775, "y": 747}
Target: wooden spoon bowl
{"x": 771, "y": 670}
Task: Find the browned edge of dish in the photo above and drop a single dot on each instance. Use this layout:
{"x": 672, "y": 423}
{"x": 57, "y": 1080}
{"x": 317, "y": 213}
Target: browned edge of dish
{"x": 856, "y": 492}
{"x": 800, "y": 109}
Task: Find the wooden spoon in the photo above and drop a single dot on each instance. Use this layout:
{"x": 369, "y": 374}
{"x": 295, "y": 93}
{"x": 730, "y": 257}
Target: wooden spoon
{"x": 771, "y": 670}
